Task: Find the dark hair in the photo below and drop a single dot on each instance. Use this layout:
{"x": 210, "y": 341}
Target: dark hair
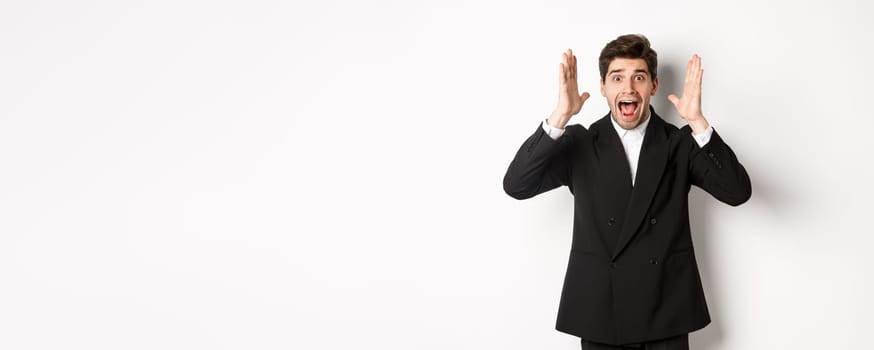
{"x": 628, "y": 46}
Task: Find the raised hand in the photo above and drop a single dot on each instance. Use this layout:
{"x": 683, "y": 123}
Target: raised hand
{"x": 569, "y": 102}
{"x": 689, "y": 106}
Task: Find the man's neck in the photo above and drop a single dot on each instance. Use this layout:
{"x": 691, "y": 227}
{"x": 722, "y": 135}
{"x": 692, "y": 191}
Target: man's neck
{"x": 641, "y": 128}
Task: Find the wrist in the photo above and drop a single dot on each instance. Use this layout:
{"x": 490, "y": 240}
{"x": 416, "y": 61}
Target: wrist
{"x": 699, "y": 125}
{"x": 558, "y": 120}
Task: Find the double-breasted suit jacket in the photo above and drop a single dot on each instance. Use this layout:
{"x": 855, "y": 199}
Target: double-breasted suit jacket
{"x": 631, "y": 275}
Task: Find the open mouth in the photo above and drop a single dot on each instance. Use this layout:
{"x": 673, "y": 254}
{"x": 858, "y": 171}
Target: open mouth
{"x": 628, "y": 109}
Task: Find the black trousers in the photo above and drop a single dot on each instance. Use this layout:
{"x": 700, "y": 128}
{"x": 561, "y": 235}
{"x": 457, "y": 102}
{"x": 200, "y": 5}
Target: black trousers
{"x": 680, "y": 342}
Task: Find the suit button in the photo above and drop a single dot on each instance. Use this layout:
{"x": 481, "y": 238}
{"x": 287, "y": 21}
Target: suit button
{"x": 653, "y": 261}
{"x": 611, "y": 222}
{"x": 653, "y": 221}
{"x": 711, "y": 155}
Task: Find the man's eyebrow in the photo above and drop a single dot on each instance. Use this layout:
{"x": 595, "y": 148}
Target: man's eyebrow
{"x": 639, "y": 70}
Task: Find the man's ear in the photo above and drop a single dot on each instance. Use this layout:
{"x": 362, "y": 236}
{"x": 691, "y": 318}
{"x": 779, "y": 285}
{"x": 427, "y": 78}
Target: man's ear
{"x": 655, "y": 85}
{"x": 603, "y": 90}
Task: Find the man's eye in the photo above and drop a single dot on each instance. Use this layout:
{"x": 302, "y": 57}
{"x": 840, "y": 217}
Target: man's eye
{"x": 639, "y": 78}
{"x": 617, "y": 78}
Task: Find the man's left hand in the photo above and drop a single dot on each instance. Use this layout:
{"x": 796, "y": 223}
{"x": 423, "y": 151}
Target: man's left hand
{"x": 689, "y": 106}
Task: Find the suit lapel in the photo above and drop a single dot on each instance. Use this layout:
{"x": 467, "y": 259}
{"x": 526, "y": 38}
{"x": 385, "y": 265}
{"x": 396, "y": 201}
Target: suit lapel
{"x": 612, "y": 159}
{"x": 650, "y": 167}
{"x": 614, "y": 175}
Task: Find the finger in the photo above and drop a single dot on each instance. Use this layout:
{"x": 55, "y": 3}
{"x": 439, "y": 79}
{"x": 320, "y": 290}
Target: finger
{"x": 568, "y": 59}
{"x": 573, "y": 63}
{"x": 696, "y": 66}
{"x": 574, "y": 67}
{"x": 585, "y": 96}
{"x": 676, "y": 101}
{"x": 698, "y": 75}
{"x": 690, "y": 85}
{"x": 689, "y": 68}
{"x": 562, "y": 75}
{"x": 567, "y": 65}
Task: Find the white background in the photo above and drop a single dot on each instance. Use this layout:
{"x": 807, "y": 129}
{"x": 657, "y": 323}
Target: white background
{"x": 327, "y": 175}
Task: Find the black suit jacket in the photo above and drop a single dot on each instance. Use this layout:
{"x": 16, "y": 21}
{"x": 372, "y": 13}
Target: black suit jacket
{"x": 632, "y": 274}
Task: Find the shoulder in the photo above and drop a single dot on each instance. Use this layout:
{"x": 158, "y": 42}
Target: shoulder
{"x": 576, "y": 128}
{"x": 675, "y": 133}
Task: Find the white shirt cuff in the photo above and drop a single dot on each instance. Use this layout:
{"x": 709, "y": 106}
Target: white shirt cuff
{"x": 704, "y": 137}
{"x": 555, "y": 133}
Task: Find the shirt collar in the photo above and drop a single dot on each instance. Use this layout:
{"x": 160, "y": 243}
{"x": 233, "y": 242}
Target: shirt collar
{"x": 639, "y": 130}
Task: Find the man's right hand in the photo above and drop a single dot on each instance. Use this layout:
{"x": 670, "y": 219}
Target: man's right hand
{"x": 569, "y": 102}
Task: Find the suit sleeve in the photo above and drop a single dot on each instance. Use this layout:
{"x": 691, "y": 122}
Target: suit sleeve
{"x": 716, "y": 170}
{"x": 540, "y": 165}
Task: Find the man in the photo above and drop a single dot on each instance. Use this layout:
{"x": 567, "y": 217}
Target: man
{"x": 632, "y": 279}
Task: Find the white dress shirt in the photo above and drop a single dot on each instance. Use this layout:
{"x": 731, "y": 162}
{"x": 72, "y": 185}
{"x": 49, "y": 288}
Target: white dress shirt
{"x": 632, "y": 140}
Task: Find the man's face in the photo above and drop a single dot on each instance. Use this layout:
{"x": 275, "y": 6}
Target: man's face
{"x": 628, "y": 87}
